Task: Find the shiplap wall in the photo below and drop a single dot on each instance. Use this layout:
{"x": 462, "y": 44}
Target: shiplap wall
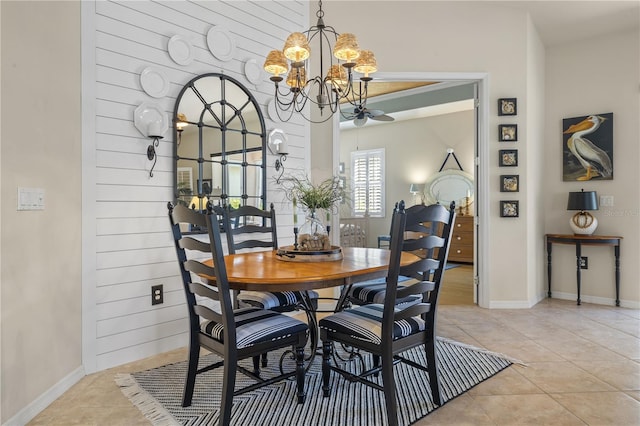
{"x": 133, "y": 246}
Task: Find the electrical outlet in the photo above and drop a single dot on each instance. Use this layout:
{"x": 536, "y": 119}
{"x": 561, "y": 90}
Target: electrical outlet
{"x": 157, "y": 294}
{"x": 584, "y": 262}
{"x": 606, "y": 201}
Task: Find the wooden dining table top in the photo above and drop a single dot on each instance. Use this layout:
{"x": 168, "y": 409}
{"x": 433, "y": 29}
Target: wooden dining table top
{"x": 266, "y": 271}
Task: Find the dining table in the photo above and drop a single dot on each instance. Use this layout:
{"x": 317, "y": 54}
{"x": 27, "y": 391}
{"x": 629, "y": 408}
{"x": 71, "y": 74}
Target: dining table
{"x": 274, "y": 271}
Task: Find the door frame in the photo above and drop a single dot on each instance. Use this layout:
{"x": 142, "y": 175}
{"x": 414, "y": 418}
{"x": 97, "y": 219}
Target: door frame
{"x": 481, "y": 178}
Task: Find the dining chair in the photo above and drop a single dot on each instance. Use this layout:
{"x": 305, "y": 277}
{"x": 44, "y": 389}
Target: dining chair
{"x": 386, "y": 330}
{"x": 232, "y": 334}
{"x": 373, "y": 291}
{"x": 251, "y": 228}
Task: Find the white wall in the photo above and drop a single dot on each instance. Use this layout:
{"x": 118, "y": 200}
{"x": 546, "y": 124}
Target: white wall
{"x": 462, "y": 37}
{"x": 592, "y": 77}
{"x": 41, "y": 142}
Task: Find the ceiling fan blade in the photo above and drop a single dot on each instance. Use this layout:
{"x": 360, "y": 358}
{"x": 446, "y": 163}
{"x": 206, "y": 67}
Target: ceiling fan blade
{"x": 374, "y": 112}
{"x": 383, "y": 117}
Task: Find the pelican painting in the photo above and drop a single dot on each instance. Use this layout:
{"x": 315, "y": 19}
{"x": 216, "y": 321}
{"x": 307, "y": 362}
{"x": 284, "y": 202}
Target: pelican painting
{"x": 588, "y": 158}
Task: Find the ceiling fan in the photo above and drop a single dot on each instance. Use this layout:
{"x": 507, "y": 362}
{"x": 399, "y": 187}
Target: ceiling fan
{"x": 361, "y": 114}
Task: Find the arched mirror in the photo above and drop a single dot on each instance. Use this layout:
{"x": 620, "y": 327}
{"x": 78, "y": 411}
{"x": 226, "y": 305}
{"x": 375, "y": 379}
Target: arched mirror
{"x": 220, "y": 144}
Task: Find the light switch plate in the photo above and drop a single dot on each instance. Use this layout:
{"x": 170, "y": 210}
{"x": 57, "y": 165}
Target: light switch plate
{"x": 30, "y": 198}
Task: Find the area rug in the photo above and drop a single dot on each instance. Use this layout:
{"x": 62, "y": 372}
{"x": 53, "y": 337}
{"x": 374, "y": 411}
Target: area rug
{"x": 158, "y": 392}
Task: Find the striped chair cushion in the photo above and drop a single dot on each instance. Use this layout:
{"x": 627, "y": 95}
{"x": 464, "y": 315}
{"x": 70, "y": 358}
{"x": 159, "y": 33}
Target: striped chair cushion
{"x": 255, "y": 325}
{"x": 365, "y": 323}
{"x": 269, "y": 300}
{"x": 373, "y": 291}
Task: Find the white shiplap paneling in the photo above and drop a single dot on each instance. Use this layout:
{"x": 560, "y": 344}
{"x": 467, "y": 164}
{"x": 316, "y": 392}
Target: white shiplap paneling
{"x": 133, "y": 247}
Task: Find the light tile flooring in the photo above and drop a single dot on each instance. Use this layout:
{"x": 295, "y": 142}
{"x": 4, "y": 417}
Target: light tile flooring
{"x": 582, "y": 368}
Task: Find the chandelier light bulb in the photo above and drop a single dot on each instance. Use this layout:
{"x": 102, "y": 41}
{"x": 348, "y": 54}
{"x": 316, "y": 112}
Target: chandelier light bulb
{"x": 296, "y": 48}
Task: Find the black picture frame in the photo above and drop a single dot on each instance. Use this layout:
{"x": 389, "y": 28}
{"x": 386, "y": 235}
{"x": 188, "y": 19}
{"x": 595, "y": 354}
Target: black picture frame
{"x": 509, "y": 183}
{"x": 508, "y": 132}
{"x": 508, "y": 157}
{"x": 507, "y": 106}
{"x": 509, "y": 208}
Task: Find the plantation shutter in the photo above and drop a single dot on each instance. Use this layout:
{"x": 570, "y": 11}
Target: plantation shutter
{"x": 368, "y": 182}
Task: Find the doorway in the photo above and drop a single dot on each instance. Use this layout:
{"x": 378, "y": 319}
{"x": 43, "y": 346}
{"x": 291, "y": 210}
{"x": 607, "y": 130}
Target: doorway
{"x": 465, "y": 277}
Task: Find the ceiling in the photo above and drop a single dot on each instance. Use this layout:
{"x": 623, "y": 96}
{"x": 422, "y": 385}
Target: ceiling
{"x": 560, "y": 22}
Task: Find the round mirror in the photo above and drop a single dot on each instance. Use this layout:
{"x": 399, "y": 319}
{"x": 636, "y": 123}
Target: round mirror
{"x": 220, "y": 144}
{"x": 447, "y": 186}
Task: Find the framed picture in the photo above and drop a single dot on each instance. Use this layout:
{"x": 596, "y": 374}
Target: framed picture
{"x": 508, "y": 132}
{"x": 587, "y": 149}
{"x": 507, "y": 106}
{"x": 509, "y": 183}
{"x": 509, "y": 208}
{"x": 508, "y": 158}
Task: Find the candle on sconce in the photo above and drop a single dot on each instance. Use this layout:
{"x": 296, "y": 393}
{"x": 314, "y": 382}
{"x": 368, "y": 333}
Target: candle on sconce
{"x": 295, "y": 212}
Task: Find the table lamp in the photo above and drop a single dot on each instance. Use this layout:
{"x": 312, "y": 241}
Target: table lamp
{"x": 583, "y": 222}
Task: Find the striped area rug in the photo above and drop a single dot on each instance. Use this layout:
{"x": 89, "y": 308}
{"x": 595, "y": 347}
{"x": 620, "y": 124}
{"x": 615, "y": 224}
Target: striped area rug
{"x": 158, "y": 392}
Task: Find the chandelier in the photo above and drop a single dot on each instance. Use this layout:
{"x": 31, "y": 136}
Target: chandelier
{"x": 333, "y": 85}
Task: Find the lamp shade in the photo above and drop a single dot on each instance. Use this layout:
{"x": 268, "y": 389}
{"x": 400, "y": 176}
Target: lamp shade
{"x": 582, "y": 200}
{"x": 416, "y": 188}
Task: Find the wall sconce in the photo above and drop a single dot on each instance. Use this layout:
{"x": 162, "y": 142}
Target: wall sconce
{"x": 583, "y": 222}
{"x": 277, "y": 144}
{"x": 152, "y": 122}
{"x": 181, "y": 123}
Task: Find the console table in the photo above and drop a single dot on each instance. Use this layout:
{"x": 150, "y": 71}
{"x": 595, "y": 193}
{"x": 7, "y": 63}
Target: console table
{"x": 586, "y": 240}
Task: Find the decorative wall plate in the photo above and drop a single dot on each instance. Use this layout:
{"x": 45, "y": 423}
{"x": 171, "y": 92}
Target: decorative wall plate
{"x": 180, "y": 50}
{"x": 252, "y": 71}
{"x": 150, "y": 119}
{"x": 271, "y": 110}
{"x": 154, "y": 82}
{"x": 221, "y": 43}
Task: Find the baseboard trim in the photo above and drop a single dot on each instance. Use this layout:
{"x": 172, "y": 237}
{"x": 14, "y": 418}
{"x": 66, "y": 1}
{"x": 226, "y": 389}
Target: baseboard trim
{"x": 596, "y": 300}
{"x": 29, "y": 412}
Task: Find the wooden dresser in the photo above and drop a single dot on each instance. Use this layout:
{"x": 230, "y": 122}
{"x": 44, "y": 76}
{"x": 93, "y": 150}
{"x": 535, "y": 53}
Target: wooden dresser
{"x": 461, "y": 249}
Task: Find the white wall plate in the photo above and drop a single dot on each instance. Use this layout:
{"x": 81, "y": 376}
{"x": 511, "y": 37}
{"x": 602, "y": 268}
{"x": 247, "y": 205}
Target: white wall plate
{"x": 221, "y": 43}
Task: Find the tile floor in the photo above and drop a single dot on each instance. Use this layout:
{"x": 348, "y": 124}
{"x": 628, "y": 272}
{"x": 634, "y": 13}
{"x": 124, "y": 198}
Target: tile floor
{"x": 582, "y": 368}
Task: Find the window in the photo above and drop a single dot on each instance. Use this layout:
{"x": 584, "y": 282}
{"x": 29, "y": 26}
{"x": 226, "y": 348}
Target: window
{"x": 367, "y": 177}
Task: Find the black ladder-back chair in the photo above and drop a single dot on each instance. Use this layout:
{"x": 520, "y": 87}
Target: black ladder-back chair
{"x": 386, "y": 330}
{"x": 373, "y": 291}
{"x": 232, "y": 334}
{"x": 241, "y": 222}
{"x": 249, "y": 227}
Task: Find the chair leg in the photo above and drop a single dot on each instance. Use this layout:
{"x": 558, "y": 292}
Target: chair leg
{"x": 190, "y": 382}
{"x": 264, "y": 360}
{"x": 432, "y": 367}
{"x": 376, "y": 363}
{"x": 256, "y": 364}
{"x": 228, "y": 385}
{"x": 300, "y": 373}
{"x": 389, "y": 386}
{"x": 326, "y": 367}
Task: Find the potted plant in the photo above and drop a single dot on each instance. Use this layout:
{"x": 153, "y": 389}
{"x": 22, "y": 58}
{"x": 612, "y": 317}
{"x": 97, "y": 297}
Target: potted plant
{"x": 313, "y": 197}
